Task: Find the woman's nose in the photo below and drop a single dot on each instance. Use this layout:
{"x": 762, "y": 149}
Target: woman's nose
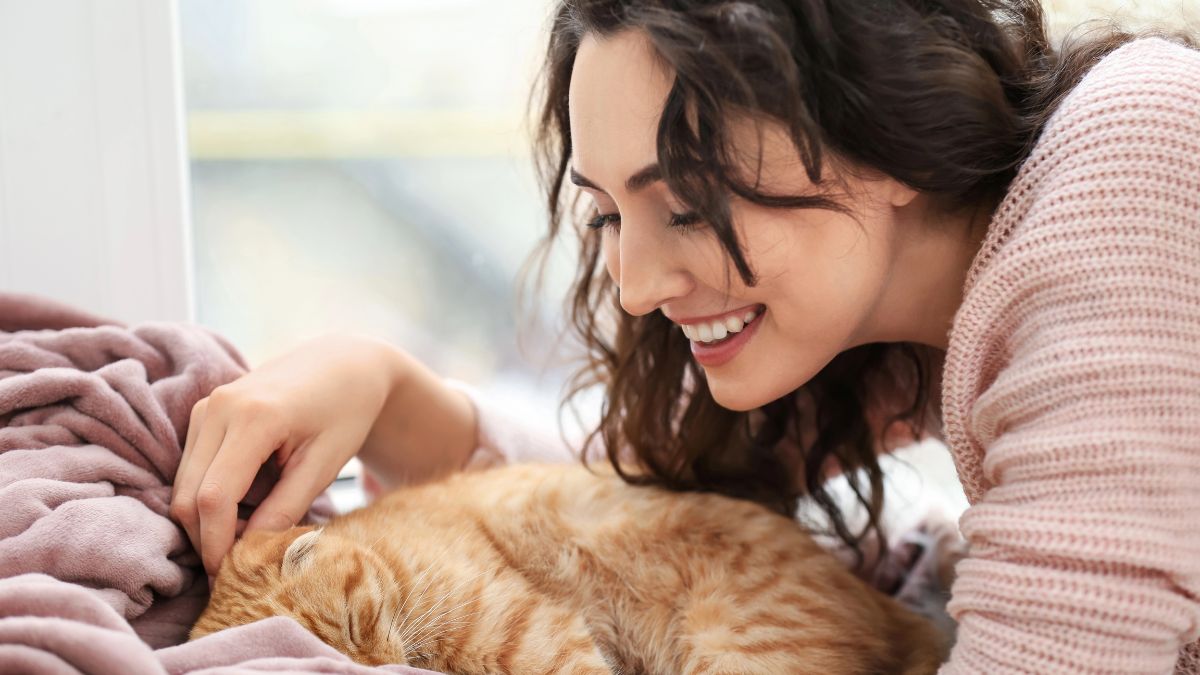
{"x": 650, "y": 272}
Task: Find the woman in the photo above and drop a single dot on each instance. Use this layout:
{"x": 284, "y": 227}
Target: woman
{"x": 804, "y": 217}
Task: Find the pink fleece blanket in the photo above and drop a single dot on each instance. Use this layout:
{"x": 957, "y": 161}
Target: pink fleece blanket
{"x": 94, "y": 577}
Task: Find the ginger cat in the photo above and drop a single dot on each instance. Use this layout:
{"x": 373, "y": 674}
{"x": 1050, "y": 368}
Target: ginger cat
{"x": 556, "y": 569}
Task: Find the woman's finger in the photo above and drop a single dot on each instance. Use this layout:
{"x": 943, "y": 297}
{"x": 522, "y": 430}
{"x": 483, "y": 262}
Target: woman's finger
{"x": 208, "y": 437}
{"x": 245, "y": 447}
{"x": 195, "y": 421}
{"x": 299, "y": 485}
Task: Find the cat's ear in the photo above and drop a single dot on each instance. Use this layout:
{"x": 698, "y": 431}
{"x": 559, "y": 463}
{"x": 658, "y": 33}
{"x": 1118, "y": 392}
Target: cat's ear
{"x": 300, "y": 552}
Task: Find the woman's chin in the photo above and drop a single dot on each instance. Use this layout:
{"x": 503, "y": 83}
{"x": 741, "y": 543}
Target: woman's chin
{"x": 753, "y": 385}
{"x": 738, "y": 395}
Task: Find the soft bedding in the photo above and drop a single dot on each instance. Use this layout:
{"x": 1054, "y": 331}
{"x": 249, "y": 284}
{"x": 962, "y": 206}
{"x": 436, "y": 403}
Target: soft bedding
{"x": 94, "y": 577}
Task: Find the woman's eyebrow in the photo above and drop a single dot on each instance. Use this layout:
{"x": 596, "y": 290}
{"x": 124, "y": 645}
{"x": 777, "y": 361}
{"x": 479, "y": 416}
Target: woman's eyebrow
{"x": 638, "y": 181}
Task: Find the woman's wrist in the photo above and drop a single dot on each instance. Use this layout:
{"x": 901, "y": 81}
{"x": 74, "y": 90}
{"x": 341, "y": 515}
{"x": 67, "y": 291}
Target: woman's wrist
{"x": 425, "y": 428}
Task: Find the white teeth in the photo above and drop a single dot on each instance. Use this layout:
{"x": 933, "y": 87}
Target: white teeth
{"x": 717, "y": 330}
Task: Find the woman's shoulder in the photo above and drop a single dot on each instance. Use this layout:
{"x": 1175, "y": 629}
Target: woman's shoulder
{"x": 1121, "y": 151}
{"x": 1132, "y": 123}
{"x": 1149, "y": 49}
{"x": 1149, "y": 65}
{"x": 1140, "y": 92}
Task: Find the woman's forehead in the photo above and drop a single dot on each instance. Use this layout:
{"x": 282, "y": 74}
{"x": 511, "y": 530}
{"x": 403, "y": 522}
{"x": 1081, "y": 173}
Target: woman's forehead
{"x": 618, "y": 88}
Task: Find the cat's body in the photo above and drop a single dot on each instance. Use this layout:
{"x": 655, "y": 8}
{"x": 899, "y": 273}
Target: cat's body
{"x": 547, "y": 569}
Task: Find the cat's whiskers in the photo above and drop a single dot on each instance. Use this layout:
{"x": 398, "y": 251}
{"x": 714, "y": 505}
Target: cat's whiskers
{"x": 426, "y": 577}
{"x": 458, "y": 586}
{"x": 416, "y": 581}
{"x": 413, "y": 629}
{"x": 434, "y": 622}
{"x": 414, "y": 634}
{"x": 445, "y": 629}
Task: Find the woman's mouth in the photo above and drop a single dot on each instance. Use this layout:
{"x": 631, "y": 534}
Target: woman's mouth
{"x": 717, "y": 342}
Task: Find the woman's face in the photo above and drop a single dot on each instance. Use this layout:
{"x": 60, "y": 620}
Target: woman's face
{"x": 820, "y": 277}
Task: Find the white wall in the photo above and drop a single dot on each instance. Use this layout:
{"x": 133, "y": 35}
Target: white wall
{"x": 93, "y": 173}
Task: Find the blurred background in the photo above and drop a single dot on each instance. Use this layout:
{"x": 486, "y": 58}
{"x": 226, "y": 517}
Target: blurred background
{"x": 363, "y": 165}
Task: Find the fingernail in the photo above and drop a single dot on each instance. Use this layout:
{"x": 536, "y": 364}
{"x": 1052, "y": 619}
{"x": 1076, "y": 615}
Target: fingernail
{"x": 211, "y": 580}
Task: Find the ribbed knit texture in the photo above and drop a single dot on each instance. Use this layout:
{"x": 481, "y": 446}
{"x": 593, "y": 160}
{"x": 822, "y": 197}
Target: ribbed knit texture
{"x": 1071, "y": 389}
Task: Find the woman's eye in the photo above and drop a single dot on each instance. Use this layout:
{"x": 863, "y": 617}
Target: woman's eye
{"x": 685, "y": 221}
{"x": 679, "y": 221}
{"x": 604, "y": 220}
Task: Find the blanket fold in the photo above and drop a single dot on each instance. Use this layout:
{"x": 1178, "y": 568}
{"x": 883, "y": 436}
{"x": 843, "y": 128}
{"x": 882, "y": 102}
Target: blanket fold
{"x": 94, "y": 576}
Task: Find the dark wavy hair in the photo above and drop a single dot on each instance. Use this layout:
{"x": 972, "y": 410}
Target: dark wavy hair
{"x": 945, "y": 96}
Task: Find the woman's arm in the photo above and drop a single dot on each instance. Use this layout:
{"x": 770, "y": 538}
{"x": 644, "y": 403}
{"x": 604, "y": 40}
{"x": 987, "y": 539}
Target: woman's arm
{"x": 461, "y": 428}
{"x": 398, "y": 451}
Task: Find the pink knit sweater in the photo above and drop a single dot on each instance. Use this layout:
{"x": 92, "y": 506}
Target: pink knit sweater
{"x": 1071, "y": 390}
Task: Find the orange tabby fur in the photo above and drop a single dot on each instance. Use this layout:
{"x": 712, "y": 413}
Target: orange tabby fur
{"x": 552, "y": 569}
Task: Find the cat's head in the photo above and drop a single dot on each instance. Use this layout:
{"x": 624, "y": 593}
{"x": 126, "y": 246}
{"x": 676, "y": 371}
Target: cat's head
{"x": 333, "y": 587}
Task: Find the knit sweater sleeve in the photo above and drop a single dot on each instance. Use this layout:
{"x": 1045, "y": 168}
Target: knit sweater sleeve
{"x": 1085, "y": 525}
{"x": 508, "y": 433}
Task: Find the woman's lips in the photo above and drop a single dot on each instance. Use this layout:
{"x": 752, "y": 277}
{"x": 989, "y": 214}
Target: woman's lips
{"x": 719, "y": 353}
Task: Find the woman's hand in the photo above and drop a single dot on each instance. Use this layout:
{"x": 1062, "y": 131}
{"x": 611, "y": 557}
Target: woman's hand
{"x": 313, "y": 409}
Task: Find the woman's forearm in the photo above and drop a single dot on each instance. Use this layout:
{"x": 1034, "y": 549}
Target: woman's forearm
{"x": 425, "y": 429}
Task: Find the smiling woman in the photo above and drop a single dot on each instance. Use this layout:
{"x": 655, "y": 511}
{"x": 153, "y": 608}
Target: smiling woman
{"x": 696, "y": 162}
{"x": 843, "y": 174}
